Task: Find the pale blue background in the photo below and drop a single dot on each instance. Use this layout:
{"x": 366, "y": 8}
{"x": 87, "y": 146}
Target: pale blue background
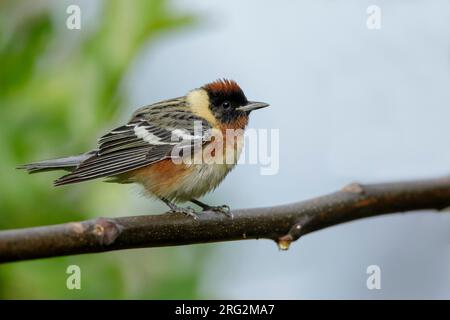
{"x": 351, "y": 104}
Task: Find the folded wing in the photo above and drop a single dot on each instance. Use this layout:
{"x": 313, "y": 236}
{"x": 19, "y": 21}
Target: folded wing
{"x": 139, "y": 143}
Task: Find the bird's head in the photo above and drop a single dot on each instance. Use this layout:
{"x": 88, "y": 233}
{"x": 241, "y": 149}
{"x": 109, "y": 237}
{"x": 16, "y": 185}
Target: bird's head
{"x": 224, "y": 100}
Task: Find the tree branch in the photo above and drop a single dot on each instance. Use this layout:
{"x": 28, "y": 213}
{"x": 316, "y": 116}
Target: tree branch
{"x": 283, "y": 224}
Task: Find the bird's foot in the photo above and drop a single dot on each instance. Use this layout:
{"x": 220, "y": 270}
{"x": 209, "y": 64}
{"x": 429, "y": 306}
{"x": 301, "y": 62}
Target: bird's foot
{"x": 176, "y": 209}
{"x": 186, "y": 211}
{"x": 223, "y": 209}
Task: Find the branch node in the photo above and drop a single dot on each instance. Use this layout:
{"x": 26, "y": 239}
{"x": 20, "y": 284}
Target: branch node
{"x": 77, "y": 227}
{"x": 354, "y": 187}
{"x": 294, "y": 233}
{"x": 106, "y": 230}
{"x": 284, "y": 242}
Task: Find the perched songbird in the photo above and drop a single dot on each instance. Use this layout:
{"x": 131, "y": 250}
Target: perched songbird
{"x": 159, "y": 146}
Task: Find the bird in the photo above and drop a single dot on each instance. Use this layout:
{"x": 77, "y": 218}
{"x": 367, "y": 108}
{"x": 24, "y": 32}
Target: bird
{"x": 158, "y": 147}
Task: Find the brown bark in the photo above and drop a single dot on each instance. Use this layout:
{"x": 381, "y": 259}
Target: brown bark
{"x": 284, "y": 224}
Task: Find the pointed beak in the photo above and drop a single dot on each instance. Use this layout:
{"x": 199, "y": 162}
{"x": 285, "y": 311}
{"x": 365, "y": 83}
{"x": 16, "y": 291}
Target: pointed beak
{"x": 252, "y": 105}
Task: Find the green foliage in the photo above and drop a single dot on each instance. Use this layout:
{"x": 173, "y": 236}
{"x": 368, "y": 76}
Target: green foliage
{"x": 59, "y": 89}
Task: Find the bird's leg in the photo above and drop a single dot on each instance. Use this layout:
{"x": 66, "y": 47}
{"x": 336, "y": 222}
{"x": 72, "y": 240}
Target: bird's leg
{"x": 224, "y": 209}
{"x": 176, "y": 209}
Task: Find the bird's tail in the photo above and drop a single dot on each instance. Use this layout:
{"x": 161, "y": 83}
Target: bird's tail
{"x": 68, "y": 164}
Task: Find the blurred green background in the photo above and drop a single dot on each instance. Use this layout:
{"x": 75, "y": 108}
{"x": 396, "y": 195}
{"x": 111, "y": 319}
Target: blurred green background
{"x": 59, "y": 90}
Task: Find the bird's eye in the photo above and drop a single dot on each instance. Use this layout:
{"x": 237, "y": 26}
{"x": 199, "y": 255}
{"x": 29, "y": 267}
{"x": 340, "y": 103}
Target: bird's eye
{"x": 226, "y": 104}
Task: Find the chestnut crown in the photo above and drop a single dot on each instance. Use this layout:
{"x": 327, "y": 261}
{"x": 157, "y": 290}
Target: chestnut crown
{"x": 228, "y": 102}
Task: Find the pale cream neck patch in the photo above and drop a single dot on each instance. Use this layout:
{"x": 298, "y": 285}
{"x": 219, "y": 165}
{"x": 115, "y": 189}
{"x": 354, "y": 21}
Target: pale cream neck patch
{"x": 199, "y": 102}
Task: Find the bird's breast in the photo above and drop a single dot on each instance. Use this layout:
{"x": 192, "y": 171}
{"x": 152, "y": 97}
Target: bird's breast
{"x": 198, "y": 174}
